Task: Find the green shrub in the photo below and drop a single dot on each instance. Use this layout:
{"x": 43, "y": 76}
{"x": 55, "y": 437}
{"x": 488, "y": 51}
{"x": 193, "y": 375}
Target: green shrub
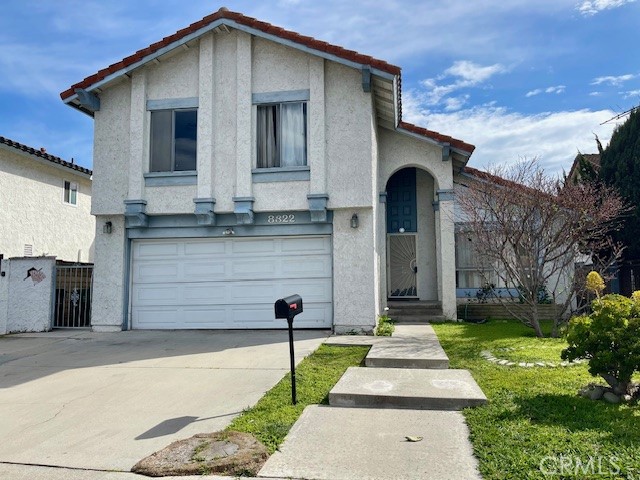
{"x": 385, "y": 326}
{"x": 609, "y": 338}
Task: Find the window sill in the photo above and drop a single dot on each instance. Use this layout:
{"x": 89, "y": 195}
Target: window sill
{"x": 280, "y": 174}
{"x": 164, "y": 179}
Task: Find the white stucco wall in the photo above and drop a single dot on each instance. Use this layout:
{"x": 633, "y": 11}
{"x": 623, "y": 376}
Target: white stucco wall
{"x": 427, "y": 277}
{"x": 109, "y": 274}
{"x": 354, "y": 279}
{"x": 111, "y": 150}
{"x": 4, "y": 296}
{"x": 29, "y": 294}
{"x": 348, "y": 138}
{"x": 33, "y": 211}
{"x": 170, "y": 199}
{"x": 174, "y": 76}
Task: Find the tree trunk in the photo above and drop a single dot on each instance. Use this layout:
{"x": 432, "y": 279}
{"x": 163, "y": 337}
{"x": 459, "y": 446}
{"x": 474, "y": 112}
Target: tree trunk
{"x": 535, "y": 323}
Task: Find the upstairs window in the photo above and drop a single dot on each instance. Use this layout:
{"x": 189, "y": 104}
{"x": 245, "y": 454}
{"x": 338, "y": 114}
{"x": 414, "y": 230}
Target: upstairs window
{"x": 282, "y": 135}
{"x": 173, "y": 140}
{"x": 70, "y": 193}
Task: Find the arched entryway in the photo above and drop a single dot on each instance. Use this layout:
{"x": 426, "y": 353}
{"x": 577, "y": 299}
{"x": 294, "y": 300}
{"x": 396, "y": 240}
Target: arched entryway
{"x": 411, "y": 238}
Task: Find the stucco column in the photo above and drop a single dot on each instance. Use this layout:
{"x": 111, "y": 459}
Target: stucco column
{"x": 446, "y": 253}
{"x": 317, "y": 163}
{"x": 206, "y": 101}
{"x": 4, "y": 295}
{"x": 138, "y": 136}
{"x": 354, "y": 266}
{"x": 243, "y": 116}
{"x": 110, "y": 276}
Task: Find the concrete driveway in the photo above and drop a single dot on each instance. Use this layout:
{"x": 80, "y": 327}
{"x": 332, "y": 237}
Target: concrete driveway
{"x": 106, "y": 400}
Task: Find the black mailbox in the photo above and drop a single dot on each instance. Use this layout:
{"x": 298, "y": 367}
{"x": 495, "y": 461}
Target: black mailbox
{"x": 288, "y": 307}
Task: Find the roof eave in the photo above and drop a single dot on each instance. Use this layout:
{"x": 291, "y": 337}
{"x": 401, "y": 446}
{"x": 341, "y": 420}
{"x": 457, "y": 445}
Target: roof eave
{"x": 71, "y": 99}
{"x": 44, "y": 161}
{"x": 433, "y": 141}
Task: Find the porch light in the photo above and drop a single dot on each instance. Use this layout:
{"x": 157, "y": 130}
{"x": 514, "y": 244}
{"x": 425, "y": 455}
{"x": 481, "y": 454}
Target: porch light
{"x": 354, "y": 221}
{"x": 106, "y": 228}
{"x": 229, "y": 231}
{"x": 401, "y": 230}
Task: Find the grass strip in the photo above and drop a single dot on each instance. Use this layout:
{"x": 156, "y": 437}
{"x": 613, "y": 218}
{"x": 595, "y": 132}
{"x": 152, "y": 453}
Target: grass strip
{"x": 273, "y": 416}
{"x": 535, "y": 426}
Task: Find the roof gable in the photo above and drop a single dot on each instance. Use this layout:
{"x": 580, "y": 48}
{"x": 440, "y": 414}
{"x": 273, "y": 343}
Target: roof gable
{"x": 43, "y": 155}
{"x": 224, "y": 18}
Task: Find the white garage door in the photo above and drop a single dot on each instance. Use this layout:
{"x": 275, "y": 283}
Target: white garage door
{"x": 229, "y": 282}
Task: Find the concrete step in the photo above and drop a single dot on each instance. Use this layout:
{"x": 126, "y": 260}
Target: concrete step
{"x": 417, "y": 389}
{"x": 411, "y": 346}
{"x": 419, "y": 318}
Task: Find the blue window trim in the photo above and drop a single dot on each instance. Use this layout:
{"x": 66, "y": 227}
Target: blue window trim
{"x": 172, "y": 103}
{"x": 280, "y": 174}
{"x": 279, "y": 97}
{"x": 164, "y": 179}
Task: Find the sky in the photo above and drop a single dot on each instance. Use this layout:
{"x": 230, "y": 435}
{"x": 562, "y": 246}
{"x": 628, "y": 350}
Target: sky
{"x": 516, "y": 78}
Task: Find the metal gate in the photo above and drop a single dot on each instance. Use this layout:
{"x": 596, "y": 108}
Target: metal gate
{"x": 73, "y": 295}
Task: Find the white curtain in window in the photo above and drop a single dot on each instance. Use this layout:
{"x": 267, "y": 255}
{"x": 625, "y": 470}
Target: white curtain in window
{"x": 267, "y": 137}
{"x": 293, "y": 138}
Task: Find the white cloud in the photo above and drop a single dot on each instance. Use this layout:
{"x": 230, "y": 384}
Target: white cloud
{"x": 591, "y": 7}
{"x": 465, "y": 74}
{"x": 631, "y": 93}
{"x": 504, "y": 136}
{"x": 615, "y": 81}
{"x": 557, "y": 89}
{"x": 473, "y": 73}
{"x": 554, "y": 89}
{"x": 455, "y": 103}
{"x": 595, "y": 94}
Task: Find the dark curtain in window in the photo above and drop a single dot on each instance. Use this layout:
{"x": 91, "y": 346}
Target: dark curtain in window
{"x": 267, "y": 136}
{"x": 186, "y": 129}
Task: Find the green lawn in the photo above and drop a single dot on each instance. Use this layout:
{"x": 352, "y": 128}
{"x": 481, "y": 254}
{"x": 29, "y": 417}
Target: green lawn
{"x": 272, "y": 417}
{"x": 534, "y": 422}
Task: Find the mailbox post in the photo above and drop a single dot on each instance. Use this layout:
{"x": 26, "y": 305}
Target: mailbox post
{"x": 289, "y": 307}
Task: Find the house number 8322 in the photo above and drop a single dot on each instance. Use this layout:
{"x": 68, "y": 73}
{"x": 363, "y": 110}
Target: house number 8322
{"x": 291, "y": 218}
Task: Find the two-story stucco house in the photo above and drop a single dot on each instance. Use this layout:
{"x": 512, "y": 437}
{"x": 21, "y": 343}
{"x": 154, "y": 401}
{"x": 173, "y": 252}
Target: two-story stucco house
{"x": 239, "y": 162}
{"x": 45, "y": 205}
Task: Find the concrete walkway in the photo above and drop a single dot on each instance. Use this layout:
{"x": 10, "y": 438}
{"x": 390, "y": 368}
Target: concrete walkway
{"x": 410, "y": 429}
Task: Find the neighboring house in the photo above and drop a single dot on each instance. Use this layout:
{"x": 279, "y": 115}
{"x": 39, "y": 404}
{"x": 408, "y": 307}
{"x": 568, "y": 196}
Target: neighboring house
{"x": 45, "y": 205}
{"x": 237, "y": 162}
{"x": 584, "y": 164}
{"x": 476, "y": 279}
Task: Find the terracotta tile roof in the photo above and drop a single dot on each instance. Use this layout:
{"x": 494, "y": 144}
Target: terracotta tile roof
{"x": 242, "y": 20}
{"x": 41, "y": 153}
{"x": 454, "y": 142}
{"x": 267, "y": 28}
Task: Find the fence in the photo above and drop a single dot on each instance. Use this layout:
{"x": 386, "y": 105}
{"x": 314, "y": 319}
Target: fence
{"x": 72, "y": 297}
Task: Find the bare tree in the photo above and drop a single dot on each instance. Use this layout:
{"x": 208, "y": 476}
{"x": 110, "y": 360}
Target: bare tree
{"x": 528, "y": 229}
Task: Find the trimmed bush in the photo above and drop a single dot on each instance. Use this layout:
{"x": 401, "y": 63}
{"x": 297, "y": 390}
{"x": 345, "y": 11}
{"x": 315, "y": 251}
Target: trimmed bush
{"x": 609, "y": 338}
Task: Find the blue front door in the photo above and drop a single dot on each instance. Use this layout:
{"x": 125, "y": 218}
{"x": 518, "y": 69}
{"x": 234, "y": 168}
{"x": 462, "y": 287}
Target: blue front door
{"x": 402, "y": 225}
{"x": 401, "y": 201}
